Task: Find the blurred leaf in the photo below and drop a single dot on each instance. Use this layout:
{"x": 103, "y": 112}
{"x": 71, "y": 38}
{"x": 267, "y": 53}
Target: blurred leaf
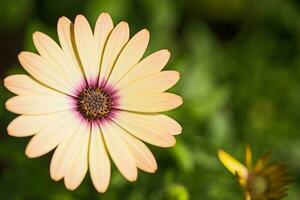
{"x": 177, "y": 192}
{"x": 221, "y": 130}
{"x": 183, "y": 156}
{"x": 118, "y": 9}
{"x": 13, "y": 13}
{"x": 33, "y": 26}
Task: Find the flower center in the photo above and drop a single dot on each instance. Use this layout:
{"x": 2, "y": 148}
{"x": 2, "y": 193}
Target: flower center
{"x": 258, "y": 185}
{"x": 94, "y": 103}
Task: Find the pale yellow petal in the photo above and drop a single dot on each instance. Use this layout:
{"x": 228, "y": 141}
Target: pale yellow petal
{"x": 155, "y": 83}
{"x": 130, "y": 55}
{"x": 24, "y": 84}
{"x": 65, "y": 31}
{"x": 48, "y": 138}
{"x": 45, "y": 72}
{"x": 233, "y": 165}
{"x": 163, "y": 122}
{"x": 150, "y": 65}
{"x": 115, "y": 43}
{"x": 84, "y": 39}
{"x": 99, "y": 163}
{"x": 26, "y": 125}
{"x": 104, "y": 26}
{"x": 119, "y": 150}
{"x": 38, "y": 104}
{"x": 52, "y": 52}
{"x": 77, "y": 171}
{"x": 67, "y": 151}
{"x": 167, "y": 123}
{"x": 156, "y": 102}
{"x": 143, "y": 157}
{"x": 148, "y": 127}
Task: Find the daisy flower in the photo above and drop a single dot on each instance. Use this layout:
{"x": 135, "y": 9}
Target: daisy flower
{"x": 261, "y": 181}
{"x": 93, "y": 98}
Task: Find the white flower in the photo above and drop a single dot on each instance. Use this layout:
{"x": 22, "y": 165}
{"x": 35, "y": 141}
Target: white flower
{"x": 93, "y": 97}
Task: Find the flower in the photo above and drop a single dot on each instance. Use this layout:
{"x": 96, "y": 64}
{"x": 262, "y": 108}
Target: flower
{"x": 260, "y": 181}
{"x": 93, "y": 97}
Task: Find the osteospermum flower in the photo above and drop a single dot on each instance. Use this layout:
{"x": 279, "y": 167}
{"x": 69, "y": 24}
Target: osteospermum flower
{"x": 260, "y": 181}
{"x": 91, "y": 98}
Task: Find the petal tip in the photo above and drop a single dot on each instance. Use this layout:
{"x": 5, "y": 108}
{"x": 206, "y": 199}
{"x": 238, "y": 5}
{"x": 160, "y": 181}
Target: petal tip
{"x": 10, "y": 131}
{"x": 6, "y": 81}
{"x": 164, "y": 54}
{"x": 145, "y": 32}
{"x": 220, "y": 152}
{"x": 101, "y": 189}
{"x": 179, "y": 101}
{"x": 8, "y": 104}
{"x": 104, "y": 14}
{"x": 173, "y": 143}
{"x": 179, "y": 131}
{"x": 123, "y": 25}
{"x": 70, "y": 187}
{"x": 29, "y": 154}
{"x": 80, "y": 19}
{"x": 152, "y": 170}
{"x": 63, "y": 19}
{"x": 36, "y": 34}
{"x": 78, "y": 16}
{"x": 54, "y": 178}
{"x": 132, "y": 178}
{"x": 21, "y": 55}
{"x": 166, "y": 51}
{"x": 170, "y": 143}
{"x": 155, "y": 169}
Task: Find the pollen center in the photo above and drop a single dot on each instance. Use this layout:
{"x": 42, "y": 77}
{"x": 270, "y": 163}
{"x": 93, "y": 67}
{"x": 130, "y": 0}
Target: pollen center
{"x": 94, "y": 103}
{"x": 258, "y": 185}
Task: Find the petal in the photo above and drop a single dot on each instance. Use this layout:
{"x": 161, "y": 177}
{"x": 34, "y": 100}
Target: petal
{"x": 75, "y": 175}
{"x": 115, "y": 43}
{"x": 119, "y": 150}
{"x": 142, "y": 155}
{"x": 38, "y": 104}
{"x": 248, "y": 157}
{"x": 261, "y": 162}
{"x": 166, "y": 123}
{"x": 155, "y": 83}
{"x": 45, "y": 72}
{"x": 148, "y": 127}
{"x": 51, "y": 136}
{"x": 99, "y": 163}
{"x": 233, "y": 165}
{"x": 65, "y": 30}
{"x": 150, "y": 65}
{"x": 23, "y": 84}
{"x": 52, "y": 52}
{"x": 86, "y": 48}
{"x": 130, "y": 55}
{"x": 26, "y": 125}
{"x": 67, "y": 151}
{"x": 247, "y": 196}
{"x": 156, "y": 102}
{"x": 104, "y": 26}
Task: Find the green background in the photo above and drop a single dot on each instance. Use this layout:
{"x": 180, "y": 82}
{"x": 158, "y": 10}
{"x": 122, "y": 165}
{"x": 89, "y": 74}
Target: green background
{"x": 240, "y": 79}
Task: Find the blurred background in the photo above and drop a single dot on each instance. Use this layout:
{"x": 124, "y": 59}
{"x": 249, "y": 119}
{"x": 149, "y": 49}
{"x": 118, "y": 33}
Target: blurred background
{"x": 240, "y": 80}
